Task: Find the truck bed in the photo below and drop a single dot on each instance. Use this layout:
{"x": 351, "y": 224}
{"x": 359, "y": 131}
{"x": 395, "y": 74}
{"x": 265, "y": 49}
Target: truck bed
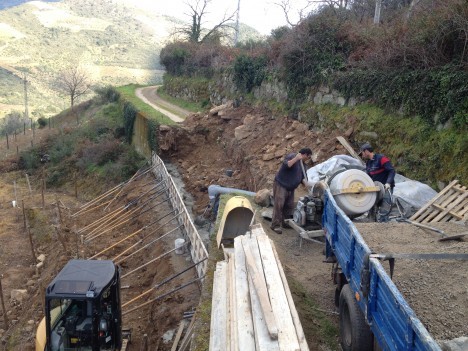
{"x": 391, "y": 319}
{"x": 436, "y": 290}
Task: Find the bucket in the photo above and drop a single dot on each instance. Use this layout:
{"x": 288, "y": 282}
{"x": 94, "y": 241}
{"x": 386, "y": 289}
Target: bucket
{"x": 179, "y": 246}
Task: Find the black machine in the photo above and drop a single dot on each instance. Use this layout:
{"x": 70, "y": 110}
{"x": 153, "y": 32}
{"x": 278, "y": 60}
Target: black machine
{"x": 82, "y": 307}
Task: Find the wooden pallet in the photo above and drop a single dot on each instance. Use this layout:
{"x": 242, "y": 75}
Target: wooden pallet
{"x": 451, "y": 204}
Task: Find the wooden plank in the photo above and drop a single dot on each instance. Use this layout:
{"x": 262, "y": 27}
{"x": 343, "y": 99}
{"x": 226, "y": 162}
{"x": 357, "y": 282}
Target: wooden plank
{"x": 232, "y": 321}
{"x": 350, "y": 149}
{"x": 263, "y": 341}
{"x": 441, "y": 205}
{"x": 245, "y": 327}
{"x": 178, "y": 335}
{"x": 416, "y": 216}
{"x": 451, "y": 207}
{"x": 287, "y": 336}
{"x": 255, "y": 230}
{"x": 255, "y": 272}
{"x": 188, "y": 336}
{"x": 295, "y": 316}
{"x": 219, "y": 309}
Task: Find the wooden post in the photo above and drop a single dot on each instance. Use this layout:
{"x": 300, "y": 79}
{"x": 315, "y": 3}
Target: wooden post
{"x": 29, "y": 184}
{"x": 14, "y": 187}
{"x": 17, "y": 150}
{"x": 15, "y": 135}
{"x": 24, "y": 128}
{"x": 32, "y": 245}
{"x": 49, "y": 122}
{"x": 76, "y": 185}
{"x": 7, "y": 144}
{"x": 59, "y": 210}
{"x": 24, "y": 214}
{"x": 42, "y": 193}
{"x": 5, "y": 318}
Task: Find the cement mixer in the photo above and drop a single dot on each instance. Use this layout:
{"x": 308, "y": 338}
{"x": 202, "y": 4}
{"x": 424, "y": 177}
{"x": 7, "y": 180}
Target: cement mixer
{"x": 353, "y": 190}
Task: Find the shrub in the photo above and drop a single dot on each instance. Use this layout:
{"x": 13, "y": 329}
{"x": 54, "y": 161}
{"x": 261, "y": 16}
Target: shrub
{"x": 129, "y": 115}
{"x": 108, "y": 94}
{"x": 437, "y": 92}
{"x": 42, "y": 122}
{"x": 249, "y": 72}
{"x": 312, "y": 52}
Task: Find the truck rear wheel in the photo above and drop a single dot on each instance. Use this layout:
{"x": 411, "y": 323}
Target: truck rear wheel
{"x": 355, "y": 334}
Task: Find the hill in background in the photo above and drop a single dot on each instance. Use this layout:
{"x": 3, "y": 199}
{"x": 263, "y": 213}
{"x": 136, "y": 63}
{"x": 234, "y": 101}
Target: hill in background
{"x": 114, "y": 41}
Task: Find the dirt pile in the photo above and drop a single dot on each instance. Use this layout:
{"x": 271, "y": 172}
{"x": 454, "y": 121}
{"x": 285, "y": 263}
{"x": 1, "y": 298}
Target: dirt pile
{"x": 245, "y": 140}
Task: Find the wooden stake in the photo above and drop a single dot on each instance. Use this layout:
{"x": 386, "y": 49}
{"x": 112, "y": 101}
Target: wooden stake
{"x": 24, "y": 214}
{"x": 29, "y": 184}
{"x": 7, "y": 143}
{"x": 42, "y": 193}
{"x": 121, "y": 189}
{"x": 5, "y": 318}
{"x": 14, "y": 188}
{"x": 76, "y": 185}
{"x": 178, "y": 335}
{"x": 32, "y": 245}
{"x": 59, "y": 210}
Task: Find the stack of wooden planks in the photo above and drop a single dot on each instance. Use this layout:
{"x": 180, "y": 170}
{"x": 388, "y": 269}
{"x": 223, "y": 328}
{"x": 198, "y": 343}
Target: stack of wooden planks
{"x": 451, "y": 204}
{"x": 252, "y": 306}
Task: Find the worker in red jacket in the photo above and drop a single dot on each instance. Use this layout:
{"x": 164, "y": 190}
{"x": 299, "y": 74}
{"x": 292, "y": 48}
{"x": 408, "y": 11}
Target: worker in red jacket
{"x": 380, "y": 169}
{"x": 378, "y": 166}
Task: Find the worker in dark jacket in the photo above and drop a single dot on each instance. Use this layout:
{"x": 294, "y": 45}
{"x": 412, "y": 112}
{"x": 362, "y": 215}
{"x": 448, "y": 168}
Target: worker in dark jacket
{"x": 378, "y": 167}
{"x": 288, "y": 178}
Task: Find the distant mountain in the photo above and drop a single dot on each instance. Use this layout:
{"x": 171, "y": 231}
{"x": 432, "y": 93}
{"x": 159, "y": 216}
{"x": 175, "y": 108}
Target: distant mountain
{"x": 115, "y": 41}
{"x": 10, "y": 3}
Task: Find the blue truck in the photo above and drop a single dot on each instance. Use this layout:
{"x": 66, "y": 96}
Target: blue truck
{"x": 373, "y": 312}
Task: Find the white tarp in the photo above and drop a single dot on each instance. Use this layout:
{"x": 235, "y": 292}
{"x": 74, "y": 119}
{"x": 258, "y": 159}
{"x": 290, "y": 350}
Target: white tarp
{"x": 412, "y": 192}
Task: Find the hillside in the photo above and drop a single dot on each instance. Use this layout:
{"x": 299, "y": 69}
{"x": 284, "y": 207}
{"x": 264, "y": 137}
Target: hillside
{"x": 116, "y": 42}
{"x": 113, "y": 43}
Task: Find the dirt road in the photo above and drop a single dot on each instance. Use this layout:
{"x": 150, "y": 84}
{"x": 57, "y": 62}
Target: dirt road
{"x": 150, "y": 96}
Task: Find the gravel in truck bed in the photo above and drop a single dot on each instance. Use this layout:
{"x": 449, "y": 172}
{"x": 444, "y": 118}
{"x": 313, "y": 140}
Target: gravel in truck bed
{"x": 437, "y": 290}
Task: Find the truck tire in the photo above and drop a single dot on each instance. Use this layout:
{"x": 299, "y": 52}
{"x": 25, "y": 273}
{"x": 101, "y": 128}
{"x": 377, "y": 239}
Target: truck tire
{"x": 355, "y": 334}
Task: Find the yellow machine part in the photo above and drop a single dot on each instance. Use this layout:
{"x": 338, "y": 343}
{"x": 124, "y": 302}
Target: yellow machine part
{"x": 236, "y": 219}
{"x": 41, "y": 336}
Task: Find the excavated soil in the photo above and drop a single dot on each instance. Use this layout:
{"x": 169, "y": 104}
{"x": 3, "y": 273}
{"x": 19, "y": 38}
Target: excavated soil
{"x": 17, "y": 267}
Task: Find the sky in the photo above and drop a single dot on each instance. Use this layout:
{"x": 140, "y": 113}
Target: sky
{"x": 263, "y": 15}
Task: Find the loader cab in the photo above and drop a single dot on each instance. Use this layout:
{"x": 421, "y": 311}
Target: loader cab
{"x": 82, "y": 308}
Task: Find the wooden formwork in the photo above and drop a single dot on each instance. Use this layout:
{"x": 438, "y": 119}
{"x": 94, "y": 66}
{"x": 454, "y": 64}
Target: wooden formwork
{"x": 197, "y": 248}
{"x": 451, "y": 204}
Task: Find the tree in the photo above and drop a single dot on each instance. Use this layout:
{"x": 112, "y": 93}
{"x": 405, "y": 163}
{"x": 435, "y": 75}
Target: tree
{"x": 195, "y": 31}
{"x": 75, "y": 82}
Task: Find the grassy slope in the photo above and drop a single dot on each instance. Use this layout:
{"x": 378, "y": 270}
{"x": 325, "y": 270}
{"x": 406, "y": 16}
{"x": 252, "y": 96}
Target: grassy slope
{"x": 418, "y": 151}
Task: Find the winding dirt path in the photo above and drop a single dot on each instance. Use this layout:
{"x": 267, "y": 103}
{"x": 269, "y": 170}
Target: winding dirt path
{"x": 149, "y": 95}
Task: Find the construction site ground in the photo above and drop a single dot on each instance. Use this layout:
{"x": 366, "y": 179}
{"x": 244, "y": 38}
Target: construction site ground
{"x": 201, "y": 150}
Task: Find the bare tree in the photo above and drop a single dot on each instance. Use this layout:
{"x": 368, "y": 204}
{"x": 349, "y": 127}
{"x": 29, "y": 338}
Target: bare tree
{"x": 75, "y": 82}
{"x": 286, "y": 6}
{"x": 196, "y": 32}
